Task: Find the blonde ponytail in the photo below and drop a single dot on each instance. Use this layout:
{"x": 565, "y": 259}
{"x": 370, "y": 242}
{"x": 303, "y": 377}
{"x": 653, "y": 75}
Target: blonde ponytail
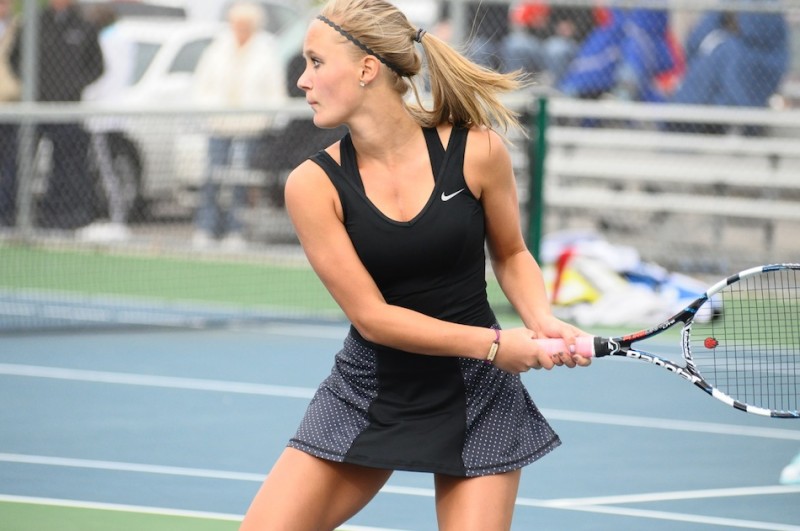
{"x": 462, "y": 92}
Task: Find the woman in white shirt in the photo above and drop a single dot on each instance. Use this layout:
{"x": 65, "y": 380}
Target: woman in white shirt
{"x": 241, "y": 68}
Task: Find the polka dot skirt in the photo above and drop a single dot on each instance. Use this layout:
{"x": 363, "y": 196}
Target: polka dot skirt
{"x": 502, "y": 428}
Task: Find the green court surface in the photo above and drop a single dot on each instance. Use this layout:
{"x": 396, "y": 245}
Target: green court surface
{"x": 42, "y": 517}
{"x": 147, "y": 278}
{"x": 164, "y": 277}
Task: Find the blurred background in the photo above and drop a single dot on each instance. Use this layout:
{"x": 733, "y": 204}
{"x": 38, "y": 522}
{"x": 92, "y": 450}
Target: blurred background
{"x": 142, "y": 171}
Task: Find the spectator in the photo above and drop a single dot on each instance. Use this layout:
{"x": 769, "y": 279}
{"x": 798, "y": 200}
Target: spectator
{"x": 69, "y": 59}
{"x": 240, "y": 68}
{"x": 623, "y": 57}
{"x": 489, "y": 27}
{"x": 523, "y": 47}
{"x": 543, "y": 39}
{"x": 9, "y": 91}
{"x": 119, "y": 53}
{"x": 569, "y": 26}
{"x": 734, "y": 59}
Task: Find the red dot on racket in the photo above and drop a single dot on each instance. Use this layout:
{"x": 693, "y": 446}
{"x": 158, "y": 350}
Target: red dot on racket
{"x": 710, "y": 342}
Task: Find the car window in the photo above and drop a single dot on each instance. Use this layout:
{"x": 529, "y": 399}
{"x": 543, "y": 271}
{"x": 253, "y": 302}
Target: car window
{"x": 145, "y": 51}
{"x": 189, "y": 55}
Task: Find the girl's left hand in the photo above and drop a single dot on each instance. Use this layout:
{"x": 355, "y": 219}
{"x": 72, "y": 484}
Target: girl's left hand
{"x": 552, "y": 327}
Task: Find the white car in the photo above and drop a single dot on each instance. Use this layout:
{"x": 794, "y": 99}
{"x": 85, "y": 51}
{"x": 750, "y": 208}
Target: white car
{"x": 165, "y": 53}
{"x": 163, "y": 158}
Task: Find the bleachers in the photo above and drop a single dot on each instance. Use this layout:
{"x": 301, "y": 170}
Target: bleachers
{"x": 612, "y": 159}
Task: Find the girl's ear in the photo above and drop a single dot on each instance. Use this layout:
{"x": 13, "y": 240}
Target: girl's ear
{"x": 370, "y": 67}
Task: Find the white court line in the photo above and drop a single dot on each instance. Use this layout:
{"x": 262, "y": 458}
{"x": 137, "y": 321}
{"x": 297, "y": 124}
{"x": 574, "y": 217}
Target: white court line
{"x": 671, "y": 424}
{"x": 117, "y": 466}
{"x": 146, "y": 380}
{"x": 158, "y": 511}
{"x": 677, "y": 495}
{"x": 281, "y": 391}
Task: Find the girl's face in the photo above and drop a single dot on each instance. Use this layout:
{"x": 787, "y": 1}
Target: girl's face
{"x": 332, "y": 75}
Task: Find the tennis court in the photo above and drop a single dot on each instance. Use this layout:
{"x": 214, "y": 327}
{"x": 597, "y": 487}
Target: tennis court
{"x": 175, "y": 429}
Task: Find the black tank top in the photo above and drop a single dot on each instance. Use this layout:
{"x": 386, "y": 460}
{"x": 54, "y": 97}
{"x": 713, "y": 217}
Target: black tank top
{"x": 435, "y": 263}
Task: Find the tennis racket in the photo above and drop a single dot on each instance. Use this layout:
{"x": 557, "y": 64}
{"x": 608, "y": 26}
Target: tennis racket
{"x": 740, "y": 341}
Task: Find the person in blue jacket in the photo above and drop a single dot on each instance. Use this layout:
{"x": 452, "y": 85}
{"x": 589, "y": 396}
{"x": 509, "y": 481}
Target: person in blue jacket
{"x": 623, "y": 58}
{"x": 735, "y": 59}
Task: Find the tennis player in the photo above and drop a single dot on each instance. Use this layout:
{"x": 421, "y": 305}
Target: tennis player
{"x": 394, "y": 219}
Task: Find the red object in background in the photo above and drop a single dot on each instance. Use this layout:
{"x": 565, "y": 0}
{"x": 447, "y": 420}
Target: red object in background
{"x": 530, "y": 14}
{"x": 668, "y": 81}
{"x": 602, "y": 16}
{"x": 561, "y": 265}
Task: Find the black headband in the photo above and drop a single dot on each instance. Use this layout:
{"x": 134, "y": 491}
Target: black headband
{"x": 360, "y": 44}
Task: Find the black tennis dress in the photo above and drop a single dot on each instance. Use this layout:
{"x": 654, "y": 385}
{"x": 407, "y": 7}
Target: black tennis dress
{"x": 385, "y": 408}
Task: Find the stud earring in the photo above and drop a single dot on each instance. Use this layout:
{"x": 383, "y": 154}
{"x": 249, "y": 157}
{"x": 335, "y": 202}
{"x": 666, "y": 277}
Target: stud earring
{"x": 362, "y": 84}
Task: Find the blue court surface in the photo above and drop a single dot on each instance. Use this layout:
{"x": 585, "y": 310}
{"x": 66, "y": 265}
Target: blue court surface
{"x": 189, "y": 422}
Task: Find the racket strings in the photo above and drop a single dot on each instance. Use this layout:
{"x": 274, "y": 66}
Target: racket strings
{"x": 751, "y": 350}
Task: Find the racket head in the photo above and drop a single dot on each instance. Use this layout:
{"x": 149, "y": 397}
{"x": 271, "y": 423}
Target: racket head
{"x": 744, "y": 341}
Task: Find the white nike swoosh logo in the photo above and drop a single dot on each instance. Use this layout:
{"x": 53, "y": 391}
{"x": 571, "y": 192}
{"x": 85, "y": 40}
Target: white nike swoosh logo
{"x": 450, "y": 196}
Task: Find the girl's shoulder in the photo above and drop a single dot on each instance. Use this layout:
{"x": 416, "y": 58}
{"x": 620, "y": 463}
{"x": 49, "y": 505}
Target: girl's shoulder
{"x": 485, "y": 144}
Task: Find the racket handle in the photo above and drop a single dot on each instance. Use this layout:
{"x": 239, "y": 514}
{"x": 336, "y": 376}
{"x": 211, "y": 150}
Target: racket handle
{"x": 584, "y": 345}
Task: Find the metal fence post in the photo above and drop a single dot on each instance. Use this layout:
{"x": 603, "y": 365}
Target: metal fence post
{"x": 537, "y": 152}
{"x": 27, "y": 129}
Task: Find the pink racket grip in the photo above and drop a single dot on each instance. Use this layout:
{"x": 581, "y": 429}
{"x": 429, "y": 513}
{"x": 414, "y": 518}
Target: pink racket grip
{"x": 584, "y": 345}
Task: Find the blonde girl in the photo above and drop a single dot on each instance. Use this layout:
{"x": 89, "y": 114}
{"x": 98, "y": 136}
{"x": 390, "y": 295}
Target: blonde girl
{"x": 395, "y": 219}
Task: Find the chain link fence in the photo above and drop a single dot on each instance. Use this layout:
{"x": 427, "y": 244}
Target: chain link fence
{"x": 727, "y": 52}
{"x": 107, "y": 191}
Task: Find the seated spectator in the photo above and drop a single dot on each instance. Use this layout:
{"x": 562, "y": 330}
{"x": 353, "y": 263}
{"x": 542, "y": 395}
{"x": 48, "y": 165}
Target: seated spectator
{"x": 523, "y": 47}
{"x": 623, "y": 57}
{"x": 569, "y": 26}
{"x": 239, "y": 68}
{"x": 488, "y": 26}
{"x": 543, "y": 40}
{"x": 734, "y": 59}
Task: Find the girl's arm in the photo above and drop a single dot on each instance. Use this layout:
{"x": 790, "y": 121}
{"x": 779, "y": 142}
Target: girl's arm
{"x": 316, "y": 212}
{"x": 489, "y": 172}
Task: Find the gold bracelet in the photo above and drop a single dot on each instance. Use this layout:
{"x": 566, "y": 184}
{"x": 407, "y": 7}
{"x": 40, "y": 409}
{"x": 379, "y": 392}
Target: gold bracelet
{"x": 495, "y": 345}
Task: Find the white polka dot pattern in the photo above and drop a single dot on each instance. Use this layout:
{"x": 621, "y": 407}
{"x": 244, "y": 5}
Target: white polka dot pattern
{"x": 505, "y": 430}
{"x": 338, "y": 412}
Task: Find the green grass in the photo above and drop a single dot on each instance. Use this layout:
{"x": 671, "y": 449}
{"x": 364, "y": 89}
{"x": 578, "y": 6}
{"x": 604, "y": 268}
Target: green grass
{"x": 41, "y": 517}
{"x": 245, "y": 284}
{"x": 166, "y": 278}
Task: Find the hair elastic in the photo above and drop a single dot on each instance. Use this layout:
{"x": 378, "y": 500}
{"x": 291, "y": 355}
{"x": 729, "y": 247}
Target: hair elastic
{"x": 366, "y": 49}
{"x": 420, "y": 33}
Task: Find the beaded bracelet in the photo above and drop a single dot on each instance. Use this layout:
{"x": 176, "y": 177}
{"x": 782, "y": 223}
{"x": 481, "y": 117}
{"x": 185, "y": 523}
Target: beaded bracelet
{"x": 494, "y": 347}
